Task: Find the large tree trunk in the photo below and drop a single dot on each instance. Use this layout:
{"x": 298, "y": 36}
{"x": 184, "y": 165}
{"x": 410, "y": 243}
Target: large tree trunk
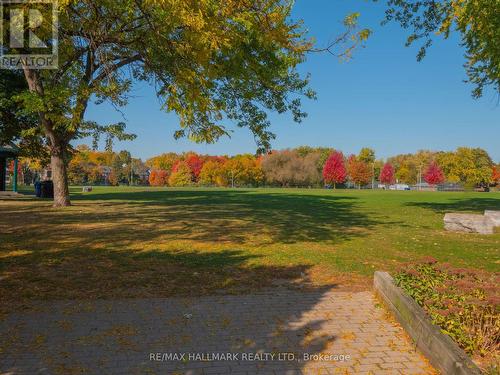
{"x": 58, "y": 146}
{"x": 59, "y": 177}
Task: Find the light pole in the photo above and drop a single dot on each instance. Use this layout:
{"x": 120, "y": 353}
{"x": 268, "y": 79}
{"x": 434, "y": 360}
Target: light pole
{"x": 420, "y": 177}
{"x": 131, "y": 171}
{"x": 124, "y": 165}
{"x": 373, "y": 175}
{"x": 14, "y": 183}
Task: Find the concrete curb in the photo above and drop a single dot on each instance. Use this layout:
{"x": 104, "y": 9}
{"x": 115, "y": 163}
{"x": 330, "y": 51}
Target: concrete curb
{"x": 442, "y": 352}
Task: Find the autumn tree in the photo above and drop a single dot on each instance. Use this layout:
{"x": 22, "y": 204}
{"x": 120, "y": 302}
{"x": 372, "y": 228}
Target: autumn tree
{"x": 448, "y": 162}
{"x": 31, "y": 168}
{"x": 334, "y": 171}
{"x": 113, "y": 179}
{"x": 158, "y": 177}
{"x": 298, "y": 167}
{"x": 309, "y": 171}
{"x": 473, "y": 165}
{"x": 276, "y": 167}
{"x": 320, "y": 154}
{"x": 211, "y": 173}
{"x": 495, "y": 174}
{"x": 181, "y": 175}
{"x": 366, "y": 155}
{"x": 350, "y": 165}
{"x": 77, "y": 175}
{"x": 407, "y": 172}
{"x": 91, "y": 166}
{"x": 470, "y": 166}
{"x": 210, "y": 61}
{"x": 95, "y": 175}
{"x": 121, "y": 165}
{"x": 81, "y": 165}
{"x": 387, "y": 174}
{"x": 377, "y": 167}
{"x": 242, "y": 170}
{"x": 164, "y": 161}
{"x": 359, "y": 171}
{"x": 433, "y": 174}
{"x": 195, "y": 163}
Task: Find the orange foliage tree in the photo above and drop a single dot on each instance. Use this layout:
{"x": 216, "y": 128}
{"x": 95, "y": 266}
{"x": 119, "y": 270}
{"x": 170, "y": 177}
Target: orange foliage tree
{"x": 495, "y": 175}
{"x": 158, "y": 177}
{"x": 359, "y": 172}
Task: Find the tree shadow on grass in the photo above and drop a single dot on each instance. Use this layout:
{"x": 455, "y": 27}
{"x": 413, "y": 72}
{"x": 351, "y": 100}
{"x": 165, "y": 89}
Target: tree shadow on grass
{"x": 85, "y": 274}
{"x": 477, "y": 205}
{"x": 233, "y": 216}
{"x": 182, "y": 241}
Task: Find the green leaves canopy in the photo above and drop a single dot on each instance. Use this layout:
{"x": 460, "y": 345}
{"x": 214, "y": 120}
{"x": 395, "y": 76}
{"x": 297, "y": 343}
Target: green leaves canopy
{"x": 16, "y": 125}
{"x": 209, "y": 61}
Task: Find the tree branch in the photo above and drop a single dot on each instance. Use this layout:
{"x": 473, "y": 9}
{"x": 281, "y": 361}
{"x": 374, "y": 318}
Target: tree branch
{"x": 114, "y": 67}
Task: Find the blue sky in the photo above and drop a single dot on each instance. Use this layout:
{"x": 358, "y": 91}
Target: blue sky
{"x": 383, "y": 98}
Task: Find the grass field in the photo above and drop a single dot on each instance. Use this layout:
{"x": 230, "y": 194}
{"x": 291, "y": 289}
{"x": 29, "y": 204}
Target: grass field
{"x": 129, "y": 242}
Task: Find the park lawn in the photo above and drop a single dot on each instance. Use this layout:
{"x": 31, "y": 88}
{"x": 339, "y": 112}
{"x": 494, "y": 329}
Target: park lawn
{"x": 142, "y": 242}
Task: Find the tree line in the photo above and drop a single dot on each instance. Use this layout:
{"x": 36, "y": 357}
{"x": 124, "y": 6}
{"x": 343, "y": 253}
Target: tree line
{"x": 299, "y": 167}
{"x": 313, "y": 167}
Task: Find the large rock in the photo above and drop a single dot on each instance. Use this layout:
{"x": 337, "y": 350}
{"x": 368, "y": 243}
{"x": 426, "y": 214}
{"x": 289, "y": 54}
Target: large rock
{"x": 469, "y": 223}
{"x": 494, "y": 216}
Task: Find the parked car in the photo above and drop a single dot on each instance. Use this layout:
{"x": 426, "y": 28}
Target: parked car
{"x": 399, "y": 187}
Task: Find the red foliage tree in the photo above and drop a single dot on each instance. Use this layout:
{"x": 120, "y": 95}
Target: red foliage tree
{"x": 387, "y": 174}
{"x": 195, "y": 163}
{"x": 158, "y": 177}
{"x": 334, "y": 171}
{"x": 433, "y": 175}
{"x": 495, "y": 175}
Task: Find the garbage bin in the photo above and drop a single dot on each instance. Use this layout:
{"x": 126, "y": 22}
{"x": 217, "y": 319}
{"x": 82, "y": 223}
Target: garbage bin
{"x": 47, "y": 189}
{"x": 38, "y": 189}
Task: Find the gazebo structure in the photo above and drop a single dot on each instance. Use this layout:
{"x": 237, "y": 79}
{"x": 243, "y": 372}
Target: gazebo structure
{"x": 8, "y": 151}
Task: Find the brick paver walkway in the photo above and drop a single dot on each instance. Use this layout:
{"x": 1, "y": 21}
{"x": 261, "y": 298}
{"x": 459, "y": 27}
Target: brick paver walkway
{"x": 343, "y": 333}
